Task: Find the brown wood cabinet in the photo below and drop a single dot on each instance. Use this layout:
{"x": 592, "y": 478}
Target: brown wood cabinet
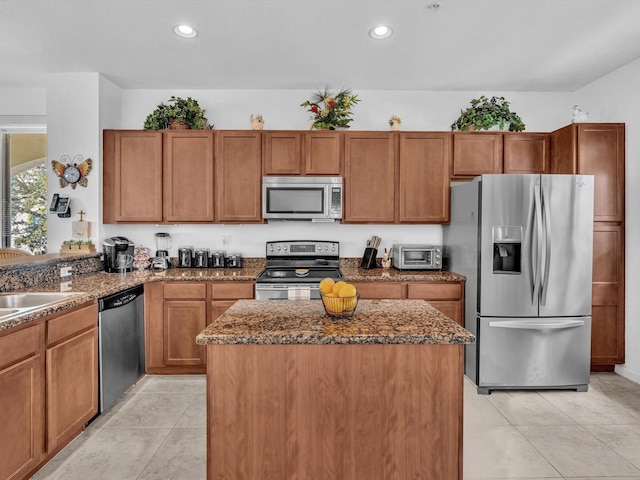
{"x": 526, "y": 152}
{"x": 598, "y": 149}
{"x": 477, "y": 153}
{"x": 607, "y": 327}
{"x": 369, "y": 183}
{"x": 323, "y": 153}
{"x": 176, "y": 312}
{"x": 72, "y": 374}
{"x": 594, "y": 149}
{"x": 188, "y": 176}
{"x": 238, "y": 176}
{"x": 448, "y": 297}
{"x": 158, "y": 176}
{"x": 424, "y": 177}
{"x": 22, "y": 402}
{"x": 282, "y": 151}
{"x": 132, "y": 176}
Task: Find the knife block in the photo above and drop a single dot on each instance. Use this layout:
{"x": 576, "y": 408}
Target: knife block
{"x": 369, "y": 258}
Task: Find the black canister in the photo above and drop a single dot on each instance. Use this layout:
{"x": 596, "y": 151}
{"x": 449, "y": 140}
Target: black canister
{"x": 217, "y": 260}
{"x": 201, "y": 258}
{"x": 185, "y": 257}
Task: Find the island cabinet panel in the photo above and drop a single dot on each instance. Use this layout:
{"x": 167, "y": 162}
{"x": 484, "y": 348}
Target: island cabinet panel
{"x": 188, "y": 176}
{"x": 22, "y": 402}
{"x": 477, "y": 153}
{"x": 527, "y": 152}
{"x": 424, "y": 177}
{"x": 282, "y": 152}
{"x": 132, "y": 176}
{"x": 323, "y": 153}
{"x": 608, "y": 316}
{"x": 343, "y": 412}
{"x": 370, "y": 172}
{"x": 238, "y": 176}
{"x": 72, "y": 374}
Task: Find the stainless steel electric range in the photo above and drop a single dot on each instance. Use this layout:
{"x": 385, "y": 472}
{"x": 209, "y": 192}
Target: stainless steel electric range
{"x": 295, "y": 267}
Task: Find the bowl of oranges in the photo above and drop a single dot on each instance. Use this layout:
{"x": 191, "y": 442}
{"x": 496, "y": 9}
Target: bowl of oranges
{"x": 340, "y": 298}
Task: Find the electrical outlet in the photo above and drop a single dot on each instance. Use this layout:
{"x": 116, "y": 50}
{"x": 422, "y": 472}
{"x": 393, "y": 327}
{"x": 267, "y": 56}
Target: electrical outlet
{"x": 65, "y": 272}
{"x": 65, "y": 286}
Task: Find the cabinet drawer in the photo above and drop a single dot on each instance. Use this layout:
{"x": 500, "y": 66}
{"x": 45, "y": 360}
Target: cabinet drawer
{"x": 71, "y": 323}
{"x": 435, "y": 290}
{"x": 377, "y": 290}
{"x": 185, "y": 290}
{"x": 19, "y": 345}
{"x": 231, "y": 290}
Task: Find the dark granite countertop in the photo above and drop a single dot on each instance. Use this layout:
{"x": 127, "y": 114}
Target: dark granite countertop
{"x": 305, "y": 322}
{"x": 100, "y": 284}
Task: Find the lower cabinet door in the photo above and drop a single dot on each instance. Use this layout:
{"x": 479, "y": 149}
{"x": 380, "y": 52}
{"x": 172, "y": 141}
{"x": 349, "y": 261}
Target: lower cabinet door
{"x": 453, "y": 310}
{"x": 183, "y": 321}
{"x": 21, "y": 417}
{"x": 72, "y": 386}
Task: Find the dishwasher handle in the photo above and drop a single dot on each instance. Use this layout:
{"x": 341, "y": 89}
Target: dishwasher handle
{"x": 120, "y": 299}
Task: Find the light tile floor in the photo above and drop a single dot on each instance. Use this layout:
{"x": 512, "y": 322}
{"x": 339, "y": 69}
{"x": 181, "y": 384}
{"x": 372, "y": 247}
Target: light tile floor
{"x": 156, "y": 431}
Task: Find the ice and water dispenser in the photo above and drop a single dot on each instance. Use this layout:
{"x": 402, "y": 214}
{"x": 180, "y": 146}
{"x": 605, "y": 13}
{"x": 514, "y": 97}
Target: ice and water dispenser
{"x": 507, "y": 249}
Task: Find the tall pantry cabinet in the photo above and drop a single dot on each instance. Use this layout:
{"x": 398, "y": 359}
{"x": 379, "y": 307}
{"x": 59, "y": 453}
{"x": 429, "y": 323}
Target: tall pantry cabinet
{"x": 599, "y": 149}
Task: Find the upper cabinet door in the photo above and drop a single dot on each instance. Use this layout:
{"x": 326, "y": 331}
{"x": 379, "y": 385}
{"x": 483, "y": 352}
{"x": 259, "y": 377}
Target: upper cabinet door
{"x": 323, "y": 153}
{"x": 476, "y": 153}
{"x": 601, "y": 153}
{"x": 239, "y": 176}
{"x": 132, "y": 176}
{"x": 526, "y": 153}
{"x": 425, "y": 170}
{"x": 188, "y": 176}
{"x": 369, "y": 178}
{"x": 594, "y": 149}
{"x": 282, "y": 152}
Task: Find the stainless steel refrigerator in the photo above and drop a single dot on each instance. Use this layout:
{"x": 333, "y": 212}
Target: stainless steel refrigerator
{"x": 525, "y": 244}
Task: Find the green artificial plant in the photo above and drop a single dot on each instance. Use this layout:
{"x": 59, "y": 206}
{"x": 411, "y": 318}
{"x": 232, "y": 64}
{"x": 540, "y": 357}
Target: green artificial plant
{"x": 180, "y": 110}
{"x": 484, "y": 114}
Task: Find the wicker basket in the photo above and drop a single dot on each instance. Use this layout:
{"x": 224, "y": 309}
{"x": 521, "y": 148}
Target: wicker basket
{"x": 178, "y": 125}
{"x": 339, "y": 307}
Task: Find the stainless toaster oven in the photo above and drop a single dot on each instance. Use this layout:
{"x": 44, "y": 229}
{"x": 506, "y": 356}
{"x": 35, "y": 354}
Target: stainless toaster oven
{"x": 417, "y": 257}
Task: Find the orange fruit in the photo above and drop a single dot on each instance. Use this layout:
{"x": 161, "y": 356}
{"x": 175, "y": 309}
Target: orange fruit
{"x": 347, "y": 290}
{"x": 337, "y": 286}
{"x": 332, "y": 303}
{"x": 326, "y": 285}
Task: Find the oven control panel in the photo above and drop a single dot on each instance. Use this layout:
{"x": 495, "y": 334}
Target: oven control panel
{"x": 303, "y": 248}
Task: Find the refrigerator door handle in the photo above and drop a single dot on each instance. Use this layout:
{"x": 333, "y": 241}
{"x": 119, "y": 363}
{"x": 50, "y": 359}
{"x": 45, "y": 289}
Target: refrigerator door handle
{"x": 547, "y": 236}
{"x": 537, "y": 224}
{"x": 537, "y": 324}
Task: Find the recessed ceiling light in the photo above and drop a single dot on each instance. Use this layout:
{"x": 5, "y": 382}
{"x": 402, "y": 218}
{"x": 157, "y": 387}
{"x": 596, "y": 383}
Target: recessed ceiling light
{"x": 380, "y": 32}
{"x": 185, "y": 31}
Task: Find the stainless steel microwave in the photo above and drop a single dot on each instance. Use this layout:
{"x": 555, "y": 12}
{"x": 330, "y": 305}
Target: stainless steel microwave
{"x": 318, "y": 199}
{"x": 417, "y": 257}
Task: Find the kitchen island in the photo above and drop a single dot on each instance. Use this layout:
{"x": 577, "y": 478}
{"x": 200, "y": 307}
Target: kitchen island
{"x": 293, "y": 393}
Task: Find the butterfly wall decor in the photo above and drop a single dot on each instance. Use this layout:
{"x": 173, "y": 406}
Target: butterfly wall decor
{"x": 74, "y": 172}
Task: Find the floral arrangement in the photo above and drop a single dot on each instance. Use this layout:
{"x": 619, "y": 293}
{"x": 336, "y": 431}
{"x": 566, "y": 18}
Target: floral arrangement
{"x": 331, "y": 110}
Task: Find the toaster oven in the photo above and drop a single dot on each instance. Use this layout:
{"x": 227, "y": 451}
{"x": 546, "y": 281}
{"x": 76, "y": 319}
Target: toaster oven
{"x": 417, "y": 257}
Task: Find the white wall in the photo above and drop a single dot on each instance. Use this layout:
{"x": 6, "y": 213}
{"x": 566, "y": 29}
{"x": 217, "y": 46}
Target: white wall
{"x": 23, "y": 106}
{"x": 614, "y": 98}
{"x": 230, "y": 109}
{"x": 73, "y": 129}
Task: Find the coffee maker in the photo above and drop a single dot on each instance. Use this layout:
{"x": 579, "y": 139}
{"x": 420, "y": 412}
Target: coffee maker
{"x": 118, "y": 254}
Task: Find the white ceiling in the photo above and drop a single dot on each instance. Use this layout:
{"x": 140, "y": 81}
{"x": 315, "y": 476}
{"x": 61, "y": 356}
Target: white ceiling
{"x": 500, "y": 45}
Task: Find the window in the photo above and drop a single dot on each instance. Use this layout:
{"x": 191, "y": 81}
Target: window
{"x": 23, "y": 189}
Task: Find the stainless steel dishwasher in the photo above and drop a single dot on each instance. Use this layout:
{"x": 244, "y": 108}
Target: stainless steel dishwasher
{"x": 121, "y": 343}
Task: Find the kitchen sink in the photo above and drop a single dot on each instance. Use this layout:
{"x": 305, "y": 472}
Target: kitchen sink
{"x": 30, "y": 300}
{"x": 7, "y": 312}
